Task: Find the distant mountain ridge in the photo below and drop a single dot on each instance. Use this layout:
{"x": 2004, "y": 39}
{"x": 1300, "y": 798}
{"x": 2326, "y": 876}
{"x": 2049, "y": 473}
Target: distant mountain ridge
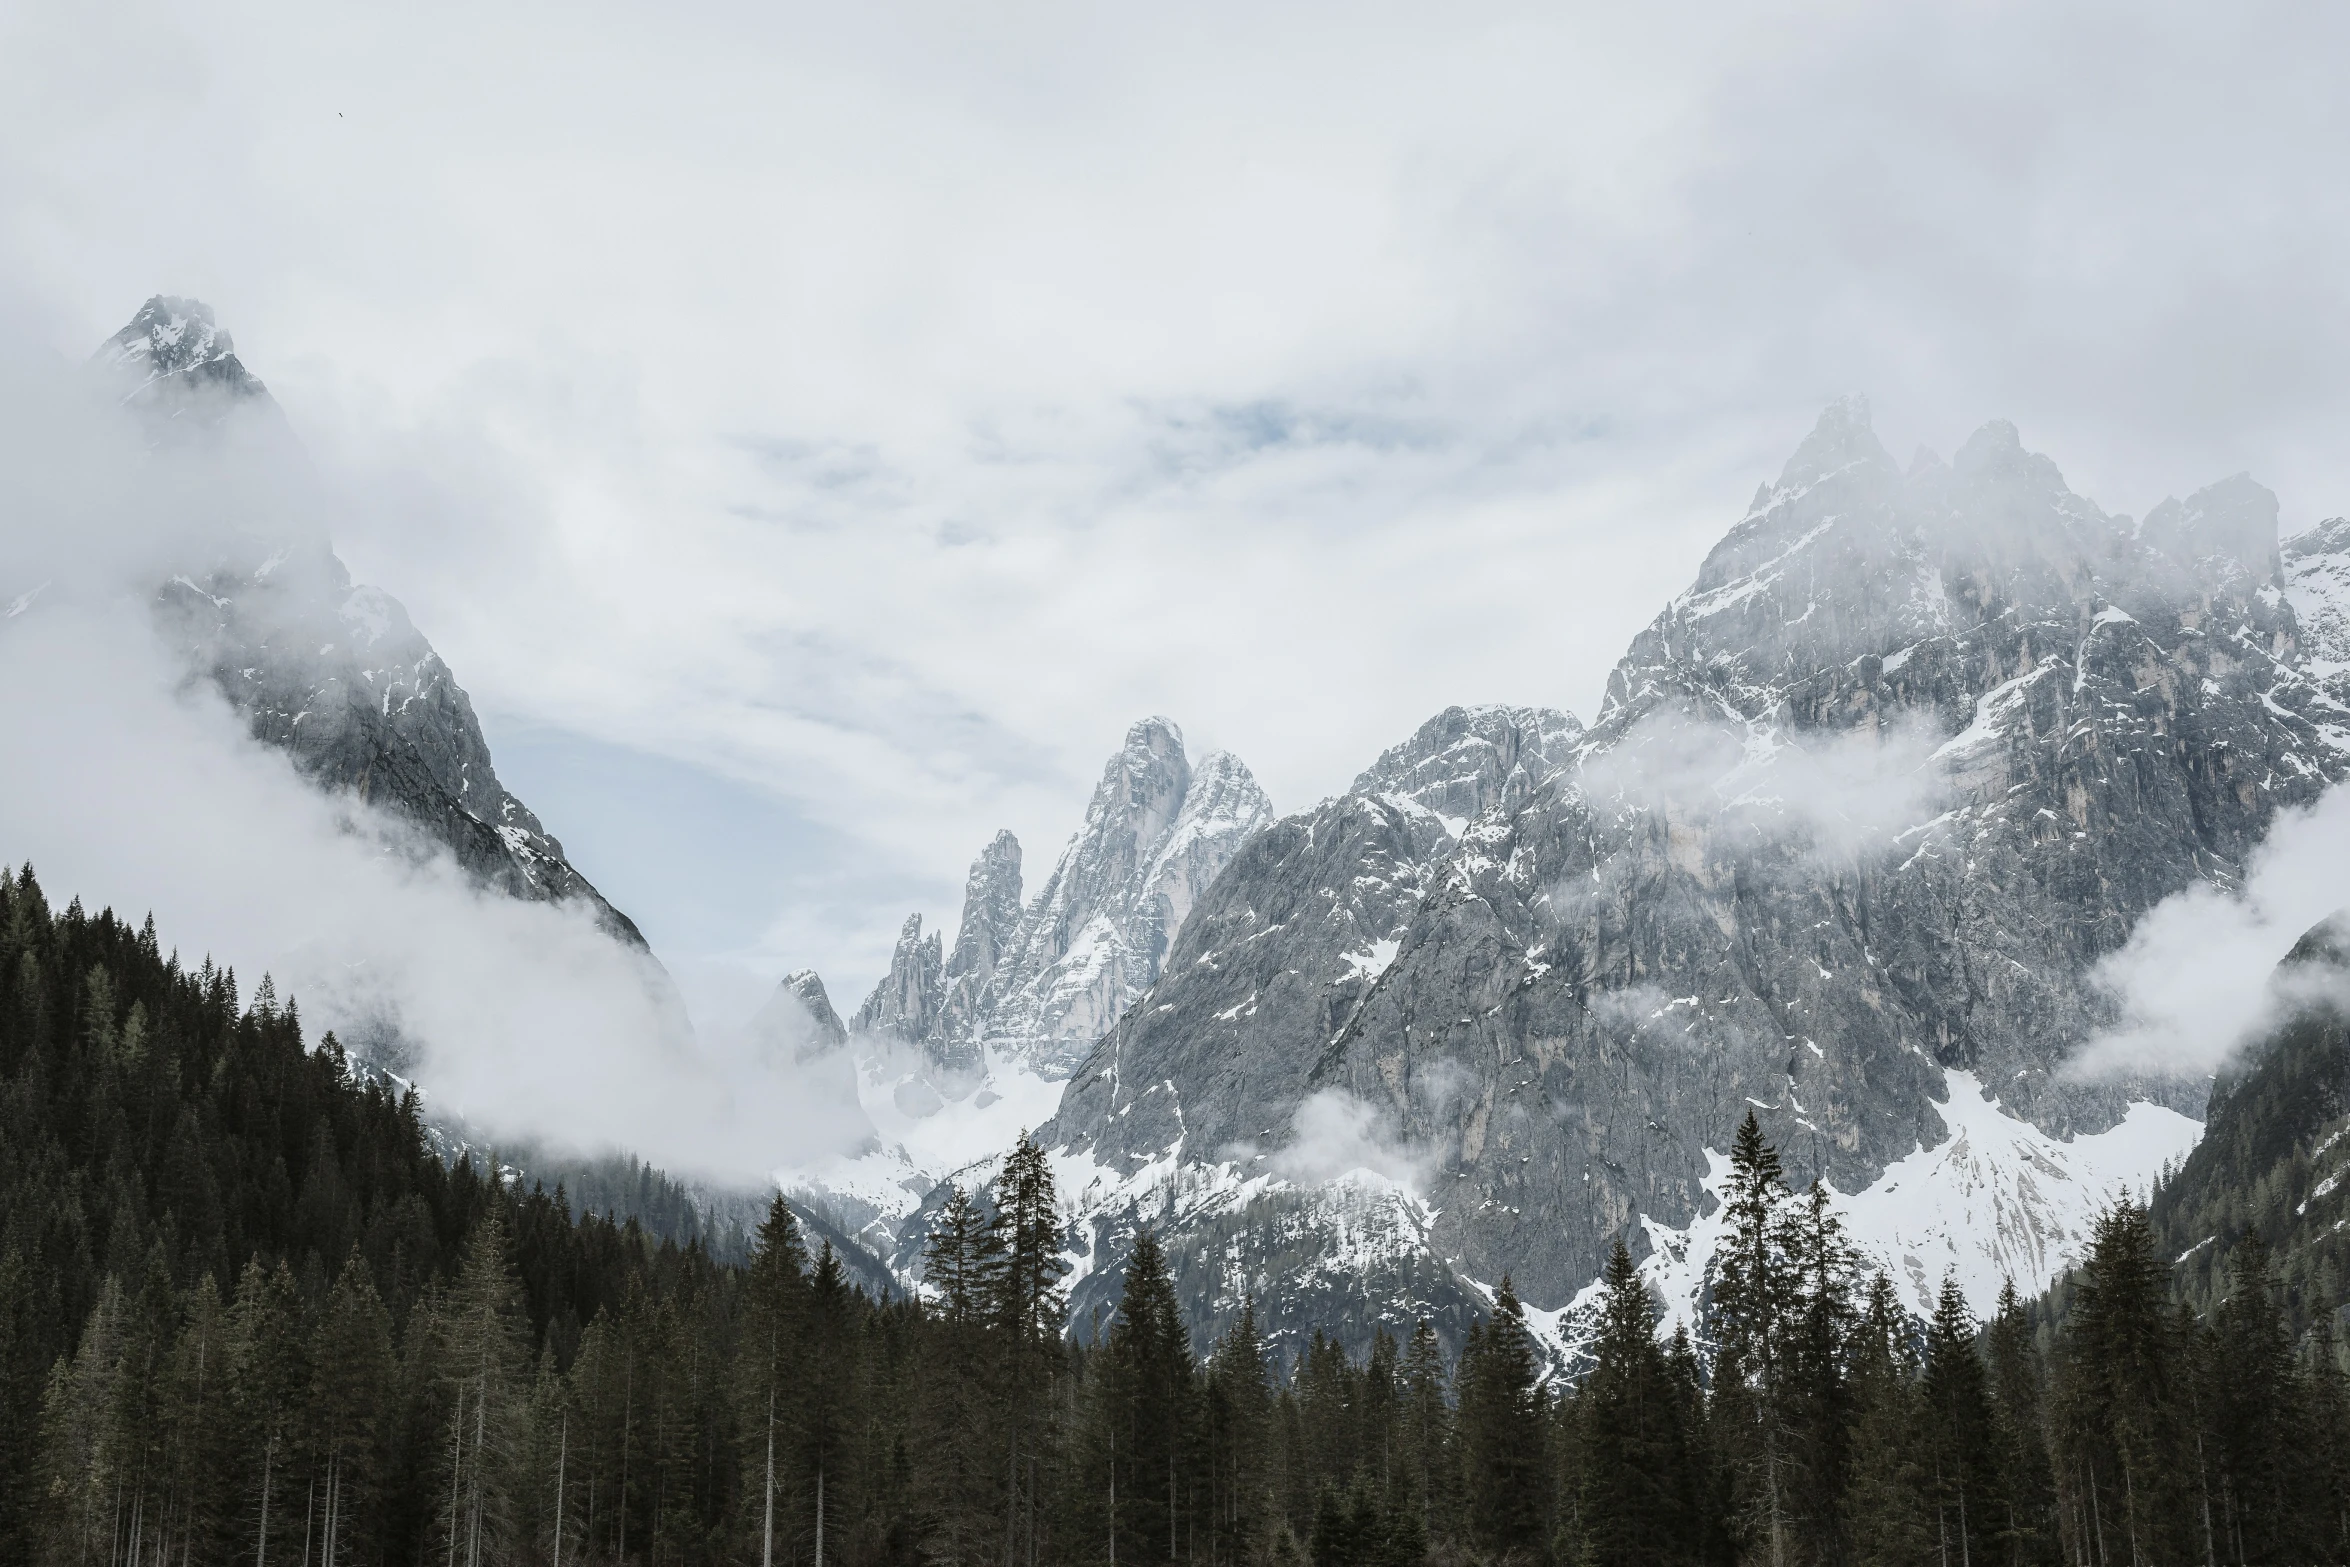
{"x": 1040, "y": 982}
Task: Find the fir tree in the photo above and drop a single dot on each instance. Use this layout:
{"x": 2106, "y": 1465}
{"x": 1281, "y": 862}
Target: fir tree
{"x": 1501, "y": 1432}
{"x": 1888, "y": 1517}
{"x": 1962, "y": 1465}
{"x": 1754, "y": 1287}
{"x": 1635, "y": 1499}
{"x": 2026, "y": 1531}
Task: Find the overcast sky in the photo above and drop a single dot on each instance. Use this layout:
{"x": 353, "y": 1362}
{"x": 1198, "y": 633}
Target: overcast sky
{"x": 813, "y": 433}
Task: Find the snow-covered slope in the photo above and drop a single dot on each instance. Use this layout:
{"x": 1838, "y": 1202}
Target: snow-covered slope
{"x": 1996, "y": 1199}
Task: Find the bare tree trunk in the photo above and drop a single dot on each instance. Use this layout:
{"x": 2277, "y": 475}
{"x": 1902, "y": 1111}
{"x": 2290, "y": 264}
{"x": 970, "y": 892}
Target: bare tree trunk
{"x": 820, "y": 1513}
{"x": 562, "y": 1460}
{"x": 767, "y": 1520}
{"x": 456, "y": 1469}
{"x": 268, "y": 1470}
{"x": 481, "y": 1401}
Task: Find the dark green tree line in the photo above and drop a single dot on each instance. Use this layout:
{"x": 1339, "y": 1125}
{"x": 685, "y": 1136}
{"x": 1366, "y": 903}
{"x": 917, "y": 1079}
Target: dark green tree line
{"x": 247, "y": 1315}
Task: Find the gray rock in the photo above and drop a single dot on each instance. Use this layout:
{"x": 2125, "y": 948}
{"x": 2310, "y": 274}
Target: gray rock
{"x": 1042, "y": 983}
{"x": 799, "y": 1018}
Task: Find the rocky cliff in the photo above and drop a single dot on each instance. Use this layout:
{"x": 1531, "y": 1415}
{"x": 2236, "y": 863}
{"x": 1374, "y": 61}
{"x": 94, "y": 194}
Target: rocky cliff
{"x": 1039, "y": 983}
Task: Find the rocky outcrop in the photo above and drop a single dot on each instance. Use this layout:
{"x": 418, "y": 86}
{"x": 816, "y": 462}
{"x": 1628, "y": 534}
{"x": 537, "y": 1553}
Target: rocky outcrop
{"x": 174, "y": 361}
{"x": 798, "y": 1019}
{"x": 1041, "y": 983}
{"x": 2316, "y": 570}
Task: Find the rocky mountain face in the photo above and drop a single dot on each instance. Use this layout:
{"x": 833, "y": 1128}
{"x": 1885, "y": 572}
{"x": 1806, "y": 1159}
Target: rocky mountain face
{"x": 174, "y": 359}
{"x": 2316, "y": 568}
{"x": 799, "y": 1019}
{"x": 1039, "y": 983}
{"x": 1860, "y": 811}
{"x": 331, "y": 673}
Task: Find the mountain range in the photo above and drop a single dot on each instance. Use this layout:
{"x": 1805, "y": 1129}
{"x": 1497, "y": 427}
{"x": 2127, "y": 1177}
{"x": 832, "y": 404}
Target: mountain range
{"x": 1860, "y": 814}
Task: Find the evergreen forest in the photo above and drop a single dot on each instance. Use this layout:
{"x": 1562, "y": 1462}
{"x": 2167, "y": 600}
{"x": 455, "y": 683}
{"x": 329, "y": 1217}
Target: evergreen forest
{"x": 250, "y": 1314}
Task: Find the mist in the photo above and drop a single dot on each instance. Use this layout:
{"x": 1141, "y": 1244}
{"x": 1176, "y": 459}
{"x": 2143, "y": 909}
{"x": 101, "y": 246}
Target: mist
{"x": 2197, "y": 980}
{"x": 1333, "y": 1134}
{"x": 135, "y": 786}
{"x": 1832, "y": 795}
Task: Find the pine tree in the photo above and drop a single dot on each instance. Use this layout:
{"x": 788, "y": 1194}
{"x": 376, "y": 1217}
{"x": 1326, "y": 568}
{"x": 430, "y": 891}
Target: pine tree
{"x": 1888, "y": 1519}
{"x": 1426, "y": 1425}
{"x": 1753, "y": 1288}
{"x": 960, "y": 1484}
{"x": 266, "y": 1373}
{"x": 1635, "y": 1499}
{"x": 1146, "y": 1380}
{"x": 481, "y": 1364}
{"x": 1504, "y": 1460}
{"x": 1029, "y": 1309}
{"x": 351, "y": 1388}
{"x": 2262, "y": 1432}
{"x": 774, "y": 1313}
{"x": 1818, "y": 1322}
{"x": 827, "y": 1426}
{"x": 1962, "y": 1467}
{"x": 81, "y": 1476}
{"x": 1239, "y": 1417}
{"x": 2327, "y": 1393}
{"x": 2026, "y": 1532}
{"x": 2117, "y": 1419}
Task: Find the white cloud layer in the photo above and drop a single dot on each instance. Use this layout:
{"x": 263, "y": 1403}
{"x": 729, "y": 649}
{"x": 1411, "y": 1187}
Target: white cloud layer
{"x": 1333, "y": 1134}
{"x": 878, "y": 408}
{"x": 2195, "y": 981}
{"x": 524, "y": 1018}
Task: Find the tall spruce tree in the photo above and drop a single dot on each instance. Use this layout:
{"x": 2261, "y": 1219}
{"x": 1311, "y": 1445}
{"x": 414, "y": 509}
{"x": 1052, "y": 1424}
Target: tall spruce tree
{"x": 1889, "y": 1518}
{"x": 1635, "y": 1503}
{"x": 1504, "y": 1460}
{"x": 774, "y": 1314}
{"x": 1145, "y": 1379}
{"x": 1754, "y": 1288}
{"x": 2119, "y": 1426}
{"x": 2259, "y": 1427}
{"x": 1239, "y": 1410}
{"x": 2027, "y": 1532}
{"x": 1428, "y": 1470}
{"x": 1962, "y": 1472}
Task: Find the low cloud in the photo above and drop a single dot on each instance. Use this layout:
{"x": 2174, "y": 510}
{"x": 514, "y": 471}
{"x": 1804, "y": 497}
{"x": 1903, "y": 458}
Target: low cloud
{"x": 2197, "y": 979}
{"x": 524, "y": 1018}
{"x": 1835, "y": 794}
{"x": 1334, "y": 1134}
{"x": 135, "y": 786}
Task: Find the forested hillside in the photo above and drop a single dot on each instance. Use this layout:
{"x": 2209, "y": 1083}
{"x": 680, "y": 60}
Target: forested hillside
{"x": 248, "y": 1315}
{"x": 2273, "y": 1157}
